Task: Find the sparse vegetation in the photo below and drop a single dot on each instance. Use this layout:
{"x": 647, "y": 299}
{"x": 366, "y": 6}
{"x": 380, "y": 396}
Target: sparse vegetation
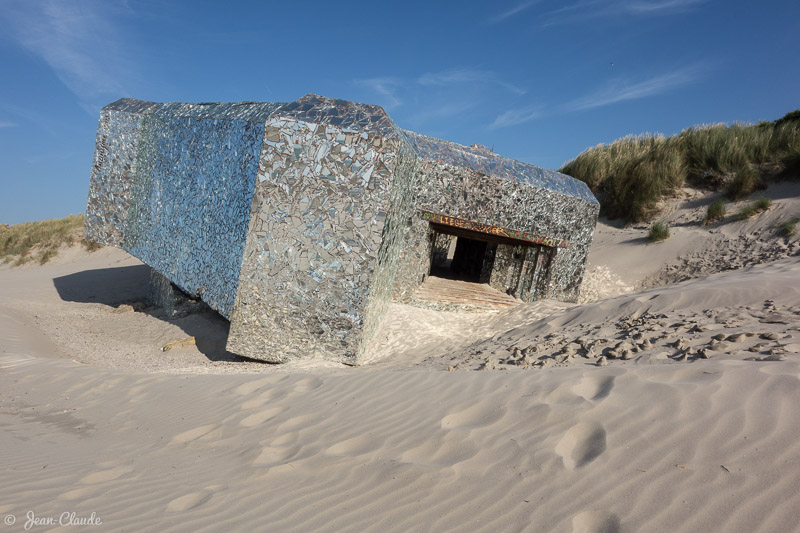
{"x": 716, "y": 211}
{"x": 631, "y": 175}
{"x": 754, "y": 208}
{"x": 789, "y": 228}
{"x": 744, "y": 183}
{"x": 658, "y": 232}
{"x": 40, "y": 241}
{"x": 791, "y": 162}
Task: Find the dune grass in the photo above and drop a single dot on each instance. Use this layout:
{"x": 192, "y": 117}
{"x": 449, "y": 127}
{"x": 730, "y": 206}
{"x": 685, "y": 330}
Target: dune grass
{"x": 789, "y": 228}
{"x": 40, "y": 241}
{"x": 631, "y": 175}
{"x": 659, "y": 231}
{"x": 753, "y": 208}
{"x": 744, "y": 183}
{"x": 716, "y": 211}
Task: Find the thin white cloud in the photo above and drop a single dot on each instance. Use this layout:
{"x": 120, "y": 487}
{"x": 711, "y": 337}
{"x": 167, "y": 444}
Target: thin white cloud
{"x": 7, "y": 124}
{"x": 614, "y": 92}
{"x": 514, "y": 117}
{"x": 519, "y": 8}
{"x": 665, "y": 5}
{"x": 596, "y": 9}
{"x": 466, "y": 75}
{"x": 79, "y": 40}
{"x": 386, "y": 87}
{"x": 620, "y": 91}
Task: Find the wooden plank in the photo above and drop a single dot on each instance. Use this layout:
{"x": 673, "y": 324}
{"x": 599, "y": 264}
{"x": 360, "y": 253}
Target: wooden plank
{"x": 491, "y": 233}
{"x": 447, "y": 291}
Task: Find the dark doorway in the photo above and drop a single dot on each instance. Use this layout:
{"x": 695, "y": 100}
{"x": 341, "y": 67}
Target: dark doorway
{"x": 468, "y": 259}
{"x": 516, "y": 267}
{"x": 461, "y": 258}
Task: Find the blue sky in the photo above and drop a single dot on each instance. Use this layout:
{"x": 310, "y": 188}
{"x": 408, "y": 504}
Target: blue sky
{"x": 538, "y": 80}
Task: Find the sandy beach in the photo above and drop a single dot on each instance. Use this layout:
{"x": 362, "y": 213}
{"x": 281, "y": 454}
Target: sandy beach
{"x": 666, "y": 400}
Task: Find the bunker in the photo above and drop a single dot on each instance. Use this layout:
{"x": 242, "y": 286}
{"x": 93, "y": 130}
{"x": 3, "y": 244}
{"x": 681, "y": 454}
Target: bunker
{"x": 300, "y": 222}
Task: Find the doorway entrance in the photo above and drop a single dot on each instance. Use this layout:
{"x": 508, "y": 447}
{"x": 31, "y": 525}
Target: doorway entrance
{"x": 461, "y": 258}
{"x": 516, "y": 267}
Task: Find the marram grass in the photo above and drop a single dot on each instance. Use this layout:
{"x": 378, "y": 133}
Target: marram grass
{"x": 659, "y": 231}
{"x": 716, "y": 211}
{"x": 753, "y": 208}
{"x": 631, "y": 175}
{"x": 40, "y": 241}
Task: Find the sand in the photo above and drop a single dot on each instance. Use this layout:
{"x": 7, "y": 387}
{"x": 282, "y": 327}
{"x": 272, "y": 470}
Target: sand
{"x": 656, "y": 405}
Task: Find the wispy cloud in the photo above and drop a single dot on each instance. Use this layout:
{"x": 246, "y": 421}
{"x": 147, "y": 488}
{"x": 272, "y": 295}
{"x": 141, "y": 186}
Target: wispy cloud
{"x": 519, "y": 8}
{"x": 584, "y": 10}
{"x": 387, "y": 88}
{"x": 665, "y": 5}
{"x": 513, "y": 117}
{"x": 612, "y": 93}
{"x": 79, "y": 40}
{"x": 466, "y": 75}
{"x": 621, "y": 90}
{"x": 7, "y": 124}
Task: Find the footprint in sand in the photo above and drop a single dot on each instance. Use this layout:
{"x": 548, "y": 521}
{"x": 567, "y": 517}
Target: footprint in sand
{"x": 83, "y": 493}
{"x": 448, "y": 450}
{"x": 276, "y": 455}
{"x": 193, "y": 434}
{"x": 261, "y": 416}
{"x": 261, "y": 399}
{"x": 595, "y": 522}
{"x": 105, "y": 475}
{"x": 594, "y": 388}
{"x": 581, "y": 444}
{"x": 563, "y": 395}
{"x": 355, "y": 446}
{"x": 194, "y": 499}
{"x": 474, "y": 417}
{"x": 299, "y": 422}
{"x": 246, "y": 389}
{"x": 307, "y": 384}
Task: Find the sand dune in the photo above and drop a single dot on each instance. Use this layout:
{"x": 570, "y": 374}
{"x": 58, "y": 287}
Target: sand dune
{"x": 670, "y": 409}
{"x": 711, "y": 446}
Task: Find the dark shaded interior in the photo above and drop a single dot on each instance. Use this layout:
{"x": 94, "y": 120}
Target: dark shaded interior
{"x": 519, "y": 268}
{"x": 462, "y": 258}
{"x": 467, "y": 261}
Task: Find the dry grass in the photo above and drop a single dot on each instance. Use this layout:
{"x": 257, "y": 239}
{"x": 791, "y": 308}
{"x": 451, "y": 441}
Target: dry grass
{"x": 744, "y": 183}
{"x": 40, "y": 241}
{"x": 716, "y": 211}
{"x": 753, "y": 208}
{"x": 631, "y": 175}
{"x": 789, "y": 228}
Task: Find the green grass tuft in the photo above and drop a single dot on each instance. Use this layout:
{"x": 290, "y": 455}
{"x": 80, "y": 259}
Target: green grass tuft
{"x": 743, "y": 184}
{"x": 753, "y": 208}
{"x": 789, "y": 228}
{"x": 763, "y": 203}
{"x": 659, "y": 231}
{"x": 40, "y": 241}
{"x": 716, "y": 211}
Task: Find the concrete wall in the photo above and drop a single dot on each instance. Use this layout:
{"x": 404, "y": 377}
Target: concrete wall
{"x": 323, "y": 232}
{"x": 445, "y": 188}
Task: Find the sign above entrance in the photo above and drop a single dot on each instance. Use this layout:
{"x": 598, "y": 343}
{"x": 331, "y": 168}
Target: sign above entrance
{"x": 493, "y": 230}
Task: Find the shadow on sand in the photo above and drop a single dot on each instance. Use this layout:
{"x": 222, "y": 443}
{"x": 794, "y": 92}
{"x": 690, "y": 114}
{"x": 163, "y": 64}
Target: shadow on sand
{"x": 129, "y": 285}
